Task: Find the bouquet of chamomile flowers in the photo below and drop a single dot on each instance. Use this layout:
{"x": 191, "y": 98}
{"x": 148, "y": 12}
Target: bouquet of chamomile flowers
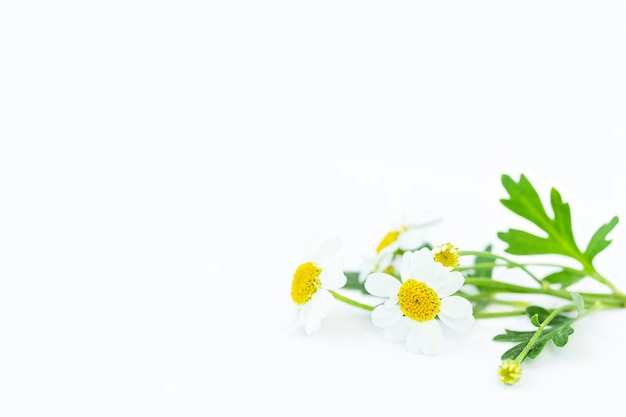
{"x": 417, "y": 287}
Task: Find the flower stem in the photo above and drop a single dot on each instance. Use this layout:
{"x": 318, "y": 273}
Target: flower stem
{"x": 508, "y": 261}
{"x": 351, "y": 301}
{"x": 609, "y": 300}
{"x": 498, "y": 314}
{"x": 540, "y": 329}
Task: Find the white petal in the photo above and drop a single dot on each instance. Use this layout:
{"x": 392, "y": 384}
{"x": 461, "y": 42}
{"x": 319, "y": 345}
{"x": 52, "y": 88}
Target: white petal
{"x": 413, "y": 338}
{"x": 446, "y": 282}
{"x": 410, "y": 239}
{"x": 332, "y": 277}
{"x": 321, "y": 302}
{"x": 382, "y": 285}
{"x": 398, "y": 331}
{"x": 456, "y": 313}
{"x": 312, "y": 322}
{"x": 384, "y": 316}
{"x": 295, "y": 317}
{"x": 405, "y": 271}
{"x": 422, "y": 263}
{"x": 457, "y": 324}
{"x": 384, "y": 260}
{"x": 326, "y": 251}
{"x": 455, "y": 306}
{"x": 392, "y": 302}
{"x": 367, "y": 267}
{"x": 432, "y": 337}
{"x": 433, "y": 273}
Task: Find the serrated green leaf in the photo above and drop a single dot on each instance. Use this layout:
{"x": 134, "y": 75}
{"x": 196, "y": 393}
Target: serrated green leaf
{"x": 558, "y": 331}
{"x": 535, "y": 320}
{"x": 542, "y": 314}
{"x": 537, "y": 348}
{"x": 562, "y": 218}
{"x": 561, "y": 335}
{"x": 598, "y": 241}
{"x": 525, "y": 202}
{"x": 559, "y": 239}
{"x": 524, "y": 243}
{"x": 513, "y": 336}
{"x": 540, "y": 311}
{"x": 513, "y": 352}
{"x": 564, "y": 277}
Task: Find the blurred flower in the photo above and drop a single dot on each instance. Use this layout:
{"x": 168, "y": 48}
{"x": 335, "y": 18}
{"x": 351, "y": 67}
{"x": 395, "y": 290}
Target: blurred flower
{"x": 311, "y": 283}
{"x": 510, "y": 371}
{"x": 417, "y": 299}
{"x": 402, "y": 238}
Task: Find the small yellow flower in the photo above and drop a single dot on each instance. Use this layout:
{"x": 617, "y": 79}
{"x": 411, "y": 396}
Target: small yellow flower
{"x": 510, "y": 371}
{"x": 447, "y": 255}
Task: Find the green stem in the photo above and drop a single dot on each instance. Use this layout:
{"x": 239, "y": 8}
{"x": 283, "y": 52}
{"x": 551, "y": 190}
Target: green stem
{"x": 540, "y": 329}
{"x": 485, "y": 265}
{"x": 596, "y": 275}
{"x": 508, "y": 261}
{"x": 351, "y": 301}
{"x": 610, "y": 300}
{"x": 498, "y": 314}
{"x": 492, "y": 300}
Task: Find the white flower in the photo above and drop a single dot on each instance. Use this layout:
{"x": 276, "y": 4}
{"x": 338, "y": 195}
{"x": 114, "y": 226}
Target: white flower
{"x": 404, "y": 237}
{"x": 414, "y": 304}
{"x": 311, "y": 283}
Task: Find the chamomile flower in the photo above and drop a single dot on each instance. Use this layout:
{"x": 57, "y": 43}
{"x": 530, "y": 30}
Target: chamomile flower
{"x": 418, "y": 302}
{"x": 311, "y": 283}
{"x": 404, "y": 237}
{"x": 510, "y": 372}
{"x": 447, "y": 255}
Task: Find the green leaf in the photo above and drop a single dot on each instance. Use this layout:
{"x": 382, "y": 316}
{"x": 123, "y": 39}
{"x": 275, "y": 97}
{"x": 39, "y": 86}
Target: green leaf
{"x": 565, "y": 277}
{"x": 513, "y": 352}
{"x": 558, "y": 330}
{"x": 524, "y": 201}
{"x": 537, "y": 348}
{"x": 598, "y": 241}
{"x": 513, "y": 336}
{"x": 537, "y": 310}
{"x": 561, "y": 335}
{"x": 352, "y": 282}
{"x": 559, "y": 237}
{"x": 542, "y": 314}
{"x": 535, "y": 320}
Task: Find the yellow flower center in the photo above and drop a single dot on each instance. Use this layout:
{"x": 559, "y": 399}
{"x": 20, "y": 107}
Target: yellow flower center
{"x": 510, "y": 372}
{"x": 387, "y": 240}
{"x": 305, "y": 282}
{"x": 447, "y": 255}
{"x": 390, "y": 270}
{"x": 418, "y": 301}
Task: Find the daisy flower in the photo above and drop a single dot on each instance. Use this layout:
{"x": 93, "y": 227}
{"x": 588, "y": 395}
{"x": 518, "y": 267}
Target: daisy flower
{"x": 311, "y": 284}
{"x": 418, "y": 302}
{"x": 510, "y": 372}
{"x": 404, "y": 237}
{"x": 447, "y": 255}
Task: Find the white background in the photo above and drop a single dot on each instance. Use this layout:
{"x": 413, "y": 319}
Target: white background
{"x": 165, "y": 165}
